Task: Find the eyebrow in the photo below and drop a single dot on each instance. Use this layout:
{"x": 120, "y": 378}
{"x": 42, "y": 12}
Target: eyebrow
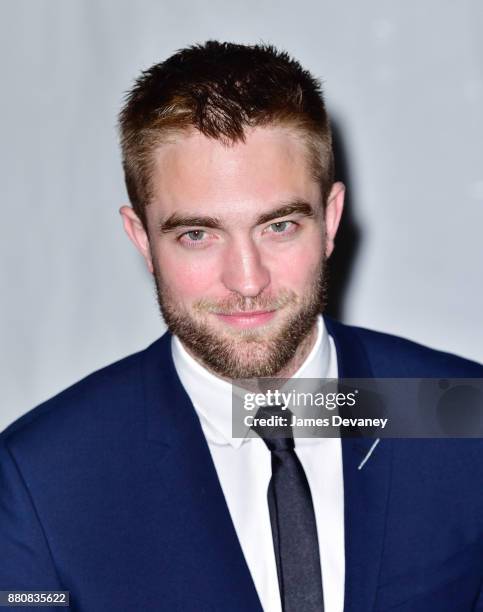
{"x": 300, "y": 207}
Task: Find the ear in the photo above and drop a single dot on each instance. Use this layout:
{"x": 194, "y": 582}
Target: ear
{"x": 333, "y": 213}
{"x": 137, "y": 234}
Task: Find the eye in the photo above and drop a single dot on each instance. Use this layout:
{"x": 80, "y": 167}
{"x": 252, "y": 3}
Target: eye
{"x": 189, "y": 238}
{"x": 195, "y": 235}
{"x": 283, "y": 227}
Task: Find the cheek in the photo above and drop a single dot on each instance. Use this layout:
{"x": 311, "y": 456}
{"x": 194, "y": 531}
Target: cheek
{"x": 296, "y": 267}
{"x": 187, "y": 277}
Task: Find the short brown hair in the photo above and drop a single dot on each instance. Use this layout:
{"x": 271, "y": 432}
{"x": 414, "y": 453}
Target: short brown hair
{"x": 220, "y": 89}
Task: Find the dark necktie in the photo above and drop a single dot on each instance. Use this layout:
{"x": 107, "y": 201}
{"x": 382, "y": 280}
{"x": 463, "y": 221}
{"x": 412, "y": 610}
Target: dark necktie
{"x": 292, "y": 518}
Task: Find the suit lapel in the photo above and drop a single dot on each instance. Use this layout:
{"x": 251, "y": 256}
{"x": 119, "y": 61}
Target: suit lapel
{"x": 365, "y": 490}
{"x": 207, "y": 534}
{"x": 194, "y": 503}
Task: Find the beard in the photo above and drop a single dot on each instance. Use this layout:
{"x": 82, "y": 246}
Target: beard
{"x": 245, "y": 353}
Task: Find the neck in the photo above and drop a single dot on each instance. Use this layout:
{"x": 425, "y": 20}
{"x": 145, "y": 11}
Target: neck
{"x": 300, "y": 356}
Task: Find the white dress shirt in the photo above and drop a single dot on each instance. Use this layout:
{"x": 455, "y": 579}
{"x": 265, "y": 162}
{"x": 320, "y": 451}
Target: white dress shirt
{"x": 244, "y": 471}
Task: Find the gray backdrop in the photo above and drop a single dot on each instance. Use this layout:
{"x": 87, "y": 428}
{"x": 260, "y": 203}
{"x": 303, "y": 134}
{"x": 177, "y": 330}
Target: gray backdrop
{"x": 403, "y": 82}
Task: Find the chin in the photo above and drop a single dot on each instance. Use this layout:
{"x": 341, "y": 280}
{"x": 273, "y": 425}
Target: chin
{"x": 258, "y": 333}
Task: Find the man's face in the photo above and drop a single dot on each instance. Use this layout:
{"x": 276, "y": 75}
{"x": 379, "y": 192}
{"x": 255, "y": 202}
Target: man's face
{"x": 237, "y": 244}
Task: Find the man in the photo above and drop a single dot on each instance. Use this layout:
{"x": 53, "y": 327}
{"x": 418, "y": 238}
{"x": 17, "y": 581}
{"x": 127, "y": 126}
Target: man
{"x": 129, "y": 491}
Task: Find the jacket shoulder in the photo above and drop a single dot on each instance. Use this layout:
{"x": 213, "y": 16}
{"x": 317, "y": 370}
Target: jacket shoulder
{"x": 415, "y": 359}
{"x": 100, "y": 394}
{"x": 395, "y": 356}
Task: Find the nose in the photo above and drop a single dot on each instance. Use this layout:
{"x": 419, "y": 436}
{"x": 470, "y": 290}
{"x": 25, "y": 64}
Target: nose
{"x": 243, "y": 269}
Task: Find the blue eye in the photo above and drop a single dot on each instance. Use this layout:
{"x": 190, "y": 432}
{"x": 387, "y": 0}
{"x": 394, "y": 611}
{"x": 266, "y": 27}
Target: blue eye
{"x": 195, "y": 235}
{"x": 281, "y": 226}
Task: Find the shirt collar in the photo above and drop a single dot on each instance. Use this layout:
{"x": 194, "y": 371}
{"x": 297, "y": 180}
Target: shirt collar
{"x": 211, "y": 396}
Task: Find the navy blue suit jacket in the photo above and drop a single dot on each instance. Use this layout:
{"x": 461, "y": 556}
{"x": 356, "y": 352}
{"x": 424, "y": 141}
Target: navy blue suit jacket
{"x": 109, "y": 491}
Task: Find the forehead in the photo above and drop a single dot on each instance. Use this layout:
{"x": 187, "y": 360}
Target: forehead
{"x": 196, "y": 174}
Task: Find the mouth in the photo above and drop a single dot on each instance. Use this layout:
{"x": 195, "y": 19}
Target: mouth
{"x": 243, "y": 320}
